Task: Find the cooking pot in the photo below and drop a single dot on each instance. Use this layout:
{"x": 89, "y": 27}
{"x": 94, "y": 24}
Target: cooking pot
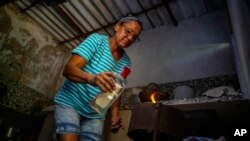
{"x": 181, "y": 92}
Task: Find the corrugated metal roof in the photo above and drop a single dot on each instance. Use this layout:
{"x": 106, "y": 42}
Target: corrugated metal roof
{"x": 72, "y": 21}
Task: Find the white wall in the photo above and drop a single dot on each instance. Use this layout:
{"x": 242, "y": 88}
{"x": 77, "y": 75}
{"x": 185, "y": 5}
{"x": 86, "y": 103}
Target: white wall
{"x": 196, "y": 48}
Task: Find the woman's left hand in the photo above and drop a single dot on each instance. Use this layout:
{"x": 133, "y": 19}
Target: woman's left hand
{"x": 117, "y": 123}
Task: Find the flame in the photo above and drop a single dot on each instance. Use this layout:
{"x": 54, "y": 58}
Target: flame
{"x": 152, "y": 97}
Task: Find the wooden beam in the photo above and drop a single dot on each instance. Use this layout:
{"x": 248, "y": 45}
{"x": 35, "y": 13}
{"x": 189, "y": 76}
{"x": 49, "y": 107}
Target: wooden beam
{"x": 112, "y": 24}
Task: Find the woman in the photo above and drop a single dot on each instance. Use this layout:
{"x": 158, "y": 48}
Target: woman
{"x": 88, "y": 72}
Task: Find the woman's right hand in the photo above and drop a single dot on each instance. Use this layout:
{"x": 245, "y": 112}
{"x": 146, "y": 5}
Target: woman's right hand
{"x": 105, "y": 81}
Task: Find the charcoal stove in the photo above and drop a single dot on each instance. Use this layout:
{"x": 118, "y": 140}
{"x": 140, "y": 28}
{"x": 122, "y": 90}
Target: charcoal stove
{"x": 156, "y": 122}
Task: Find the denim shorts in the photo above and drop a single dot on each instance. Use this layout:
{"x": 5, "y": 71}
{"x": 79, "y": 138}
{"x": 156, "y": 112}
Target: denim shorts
{"x": 68, "y": 120}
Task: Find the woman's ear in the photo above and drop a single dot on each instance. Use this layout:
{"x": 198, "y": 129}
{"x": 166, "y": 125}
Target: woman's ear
{"x": 117, "y": 27}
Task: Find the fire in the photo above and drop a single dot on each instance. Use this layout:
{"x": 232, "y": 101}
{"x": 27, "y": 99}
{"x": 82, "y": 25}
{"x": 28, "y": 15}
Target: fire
{"x": 152, "y": 97}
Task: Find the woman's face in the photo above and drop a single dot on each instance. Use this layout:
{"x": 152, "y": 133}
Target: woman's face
{"x": 127, "y": 33}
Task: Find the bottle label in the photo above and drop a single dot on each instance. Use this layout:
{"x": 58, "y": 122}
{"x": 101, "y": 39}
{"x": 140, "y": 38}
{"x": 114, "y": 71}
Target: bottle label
{"x": 125, "y": 72}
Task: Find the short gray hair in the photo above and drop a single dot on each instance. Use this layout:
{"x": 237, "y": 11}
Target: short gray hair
{"x": 129, "y": 17}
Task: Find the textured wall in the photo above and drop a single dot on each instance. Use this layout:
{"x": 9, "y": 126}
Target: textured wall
{"x": 28, "y": 54}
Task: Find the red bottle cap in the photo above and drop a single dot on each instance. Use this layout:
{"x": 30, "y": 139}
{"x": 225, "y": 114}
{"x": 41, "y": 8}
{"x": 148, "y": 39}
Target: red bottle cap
{"x": 125, "y": 72}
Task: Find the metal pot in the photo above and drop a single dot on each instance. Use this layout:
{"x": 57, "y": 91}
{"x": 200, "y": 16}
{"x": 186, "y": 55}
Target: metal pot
{"x": 181, "y": 92}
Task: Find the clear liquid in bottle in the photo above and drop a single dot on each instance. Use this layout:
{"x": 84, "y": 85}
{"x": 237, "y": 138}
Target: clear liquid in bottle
{"x": 103, "y": 101}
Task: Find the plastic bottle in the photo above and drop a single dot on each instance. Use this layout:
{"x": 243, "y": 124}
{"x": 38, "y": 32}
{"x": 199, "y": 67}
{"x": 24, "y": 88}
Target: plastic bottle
{"x": 103, "y": 101}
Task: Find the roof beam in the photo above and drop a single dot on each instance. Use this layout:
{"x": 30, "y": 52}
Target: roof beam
{"x": 170, "y": 13}
{"x": 30, "y": 6}
{"x": 144, "y": 11}
{"x": 67, "y": 18}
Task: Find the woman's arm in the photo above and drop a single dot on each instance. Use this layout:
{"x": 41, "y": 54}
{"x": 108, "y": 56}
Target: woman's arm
{"x": 73, "y": 71}
{"x": 116, "y": 121}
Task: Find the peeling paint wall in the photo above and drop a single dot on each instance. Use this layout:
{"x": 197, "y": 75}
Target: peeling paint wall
{"x": 28, "y": 54}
